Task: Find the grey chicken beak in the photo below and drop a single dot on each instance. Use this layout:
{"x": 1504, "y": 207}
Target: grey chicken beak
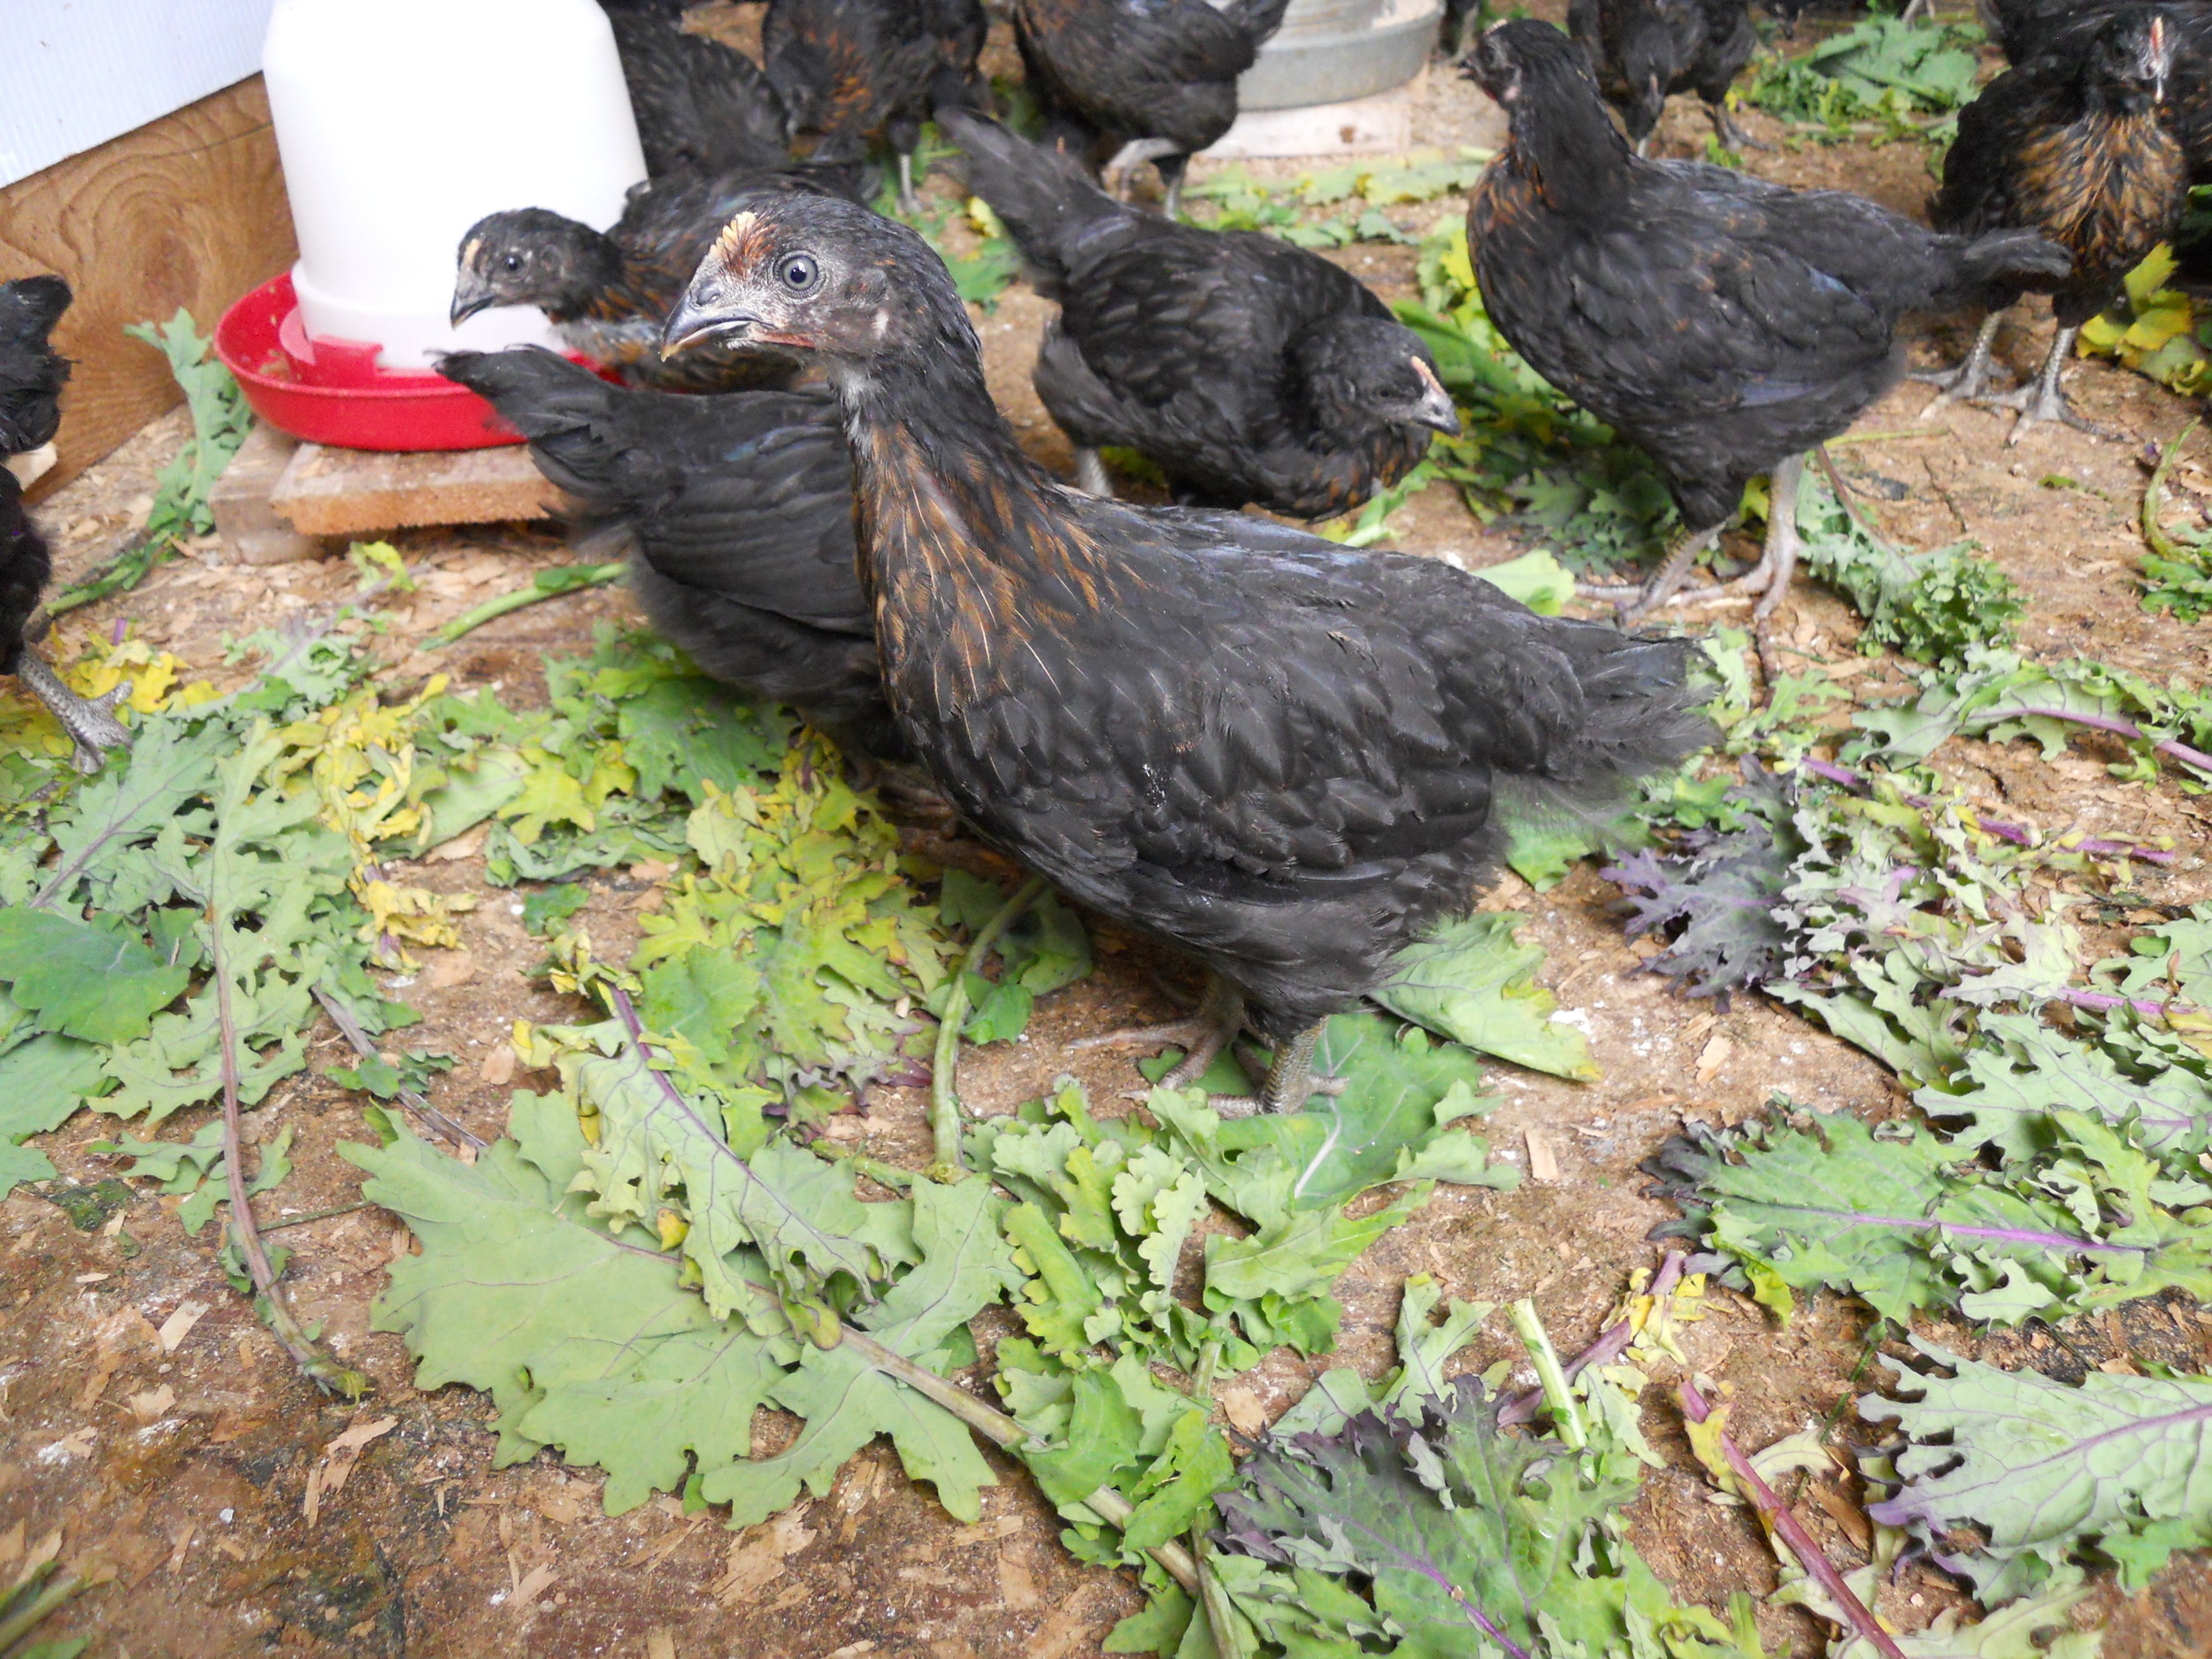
{"x": 692, "y": 321}
{"x": 1436, "y": 408}
{"x": 471, "y": 294}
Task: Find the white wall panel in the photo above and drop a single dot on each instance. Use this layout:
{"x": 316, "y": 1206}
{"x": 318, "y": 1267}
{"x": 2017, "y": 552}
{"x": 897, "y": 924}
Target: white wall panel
{"x": 74, "y": 74}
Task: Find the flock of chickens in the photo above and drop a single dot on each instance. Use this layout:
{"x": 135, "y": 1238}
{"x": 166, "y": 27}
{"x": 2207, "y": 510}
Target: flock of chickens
{"x": 1284, "y": 758}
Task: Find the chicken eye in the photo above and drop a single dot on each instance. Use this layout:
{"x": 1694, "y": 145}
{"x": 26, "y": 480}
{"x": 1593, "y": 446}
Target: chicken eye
{"x": 798, "y": 272}
{"x": 513, "y": 262}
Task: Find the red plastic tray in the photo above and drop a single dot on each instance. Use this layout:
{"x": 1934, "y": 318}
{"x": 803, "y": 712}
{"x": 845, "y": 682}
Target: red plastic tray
{"x": 331, "y": 391}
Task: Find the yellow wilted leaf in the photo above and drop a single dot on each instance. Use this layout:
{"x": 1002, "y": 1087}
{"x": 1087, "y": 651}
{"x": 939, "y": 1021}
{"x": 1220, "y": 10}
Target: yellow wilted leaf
{"x": 2165, "y": 315}
{"x": 2150, "y": 276}
{"x": 1705, "y": 1441}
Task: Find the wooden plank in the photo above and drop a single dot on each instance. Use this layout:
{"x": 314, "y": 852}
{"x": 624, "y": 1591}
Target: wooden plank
{"x": 244, "y": 517}
{"x": 187, "y": 211}
{"x": 328, "y": 491}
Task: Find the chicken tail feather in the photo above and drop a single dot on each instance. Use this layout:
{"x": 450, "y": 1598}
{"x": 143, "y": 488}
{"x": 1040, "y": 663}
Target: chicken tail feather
{"x": 1991, "y": 272}
{"x": 1641, "y": 718}
{"x": 1043, "y": 196}
{"x": 1259, "y": 18}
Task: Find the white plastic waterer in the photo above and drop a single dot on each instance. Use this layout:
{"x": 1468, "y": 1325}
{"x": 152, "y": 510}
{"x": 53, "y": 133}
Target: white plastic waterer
{"x": 402, "y": 122}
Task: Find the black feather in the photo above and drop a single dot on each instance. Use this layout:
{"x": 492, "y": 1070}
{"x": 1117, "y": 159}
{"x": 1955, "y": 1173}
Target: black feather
{"x": 736, "y": 514}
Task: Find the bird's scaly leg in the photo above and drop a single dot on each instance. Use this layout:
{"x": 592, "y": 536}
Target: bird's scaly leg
{"x": 908, "y": 202}
{"x": 1970, "y": 381}
{"x": 1730, "y": 135}
{"x": 2043, "y": 399}
{"x": 1211, "y": 1029}
{"x": 1090, "y": 474}
{"x": 1170, "y": 170}
{"x": 91, "y": 725}
{"x": 1289, "y": 1080}
{"x": 1671, "y": 573}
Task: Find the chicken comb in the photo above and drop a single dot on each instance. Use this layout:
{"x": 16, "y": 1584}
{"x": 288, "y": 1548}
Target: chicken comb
{"x": 742, "y": 241}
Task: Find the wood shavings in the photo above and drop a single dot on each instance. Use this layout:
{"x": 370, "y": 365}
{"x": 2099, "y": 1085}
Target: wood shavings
{"x": 1543, "y": 1163}
{"x": 179, "y": 1324}
{"x": 328, "y": 1477}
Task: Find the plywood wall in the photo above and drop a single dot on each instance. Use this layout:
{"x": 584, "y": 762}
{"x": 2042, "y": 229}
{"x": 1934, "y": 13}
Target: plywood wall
{"x": 187, "y": 211}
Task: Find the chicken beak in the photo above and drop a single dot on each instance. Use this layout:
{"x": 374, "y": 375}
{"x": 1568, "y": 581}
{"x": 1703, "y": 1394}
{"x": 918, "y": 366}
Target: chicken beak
{"x": 471, "y": 294}
{"x": 1436, "y": 408}
{"x": 694, "y": 320}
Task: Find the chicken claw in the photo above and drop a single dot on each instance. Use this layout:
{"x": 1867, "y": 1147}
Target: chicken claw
{"x": 1290, "y": 1081}
{"x": 2043, "y": 399}
{"x": 1970, "y": 381}
{"x": 90, "y": 721}
{"x": 1670, "y": 574}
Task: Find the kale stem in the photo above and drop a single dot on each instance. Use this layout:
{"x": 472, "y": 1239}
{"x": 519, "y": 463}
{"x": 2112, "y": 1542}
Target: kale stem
{"x": 944, "y": 1091}
{"x": 1558, "y": 1394}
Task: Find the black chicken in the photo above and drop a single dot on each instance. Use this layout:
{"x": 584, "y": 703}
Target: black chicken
{"x": 1246, "y": 369}
{"x": 1643, "y": 51}
{"x": 737, "y": 516}
{"x": 701, "y": 107}
{"x": 32, "y": 373}
{"x": 1155, "y": 78}
{"x": 1275, "y": 753}
{"x": 2031, "y": 29}
{"x": 849, "y": 69}
{"x": 607, "y": 292}
{"x": 1723, "y": 324}
{"x": 2071, "y": 145}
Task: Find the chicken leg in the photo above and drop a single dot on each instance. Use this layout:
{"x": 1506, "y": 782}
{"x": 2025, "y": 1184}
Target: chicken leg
{"x": 90, "y": 721}
{"x": 1212, "y": 1027}
{"x": 1671, "y": 574}
{"x": 1771, "y": 577}
{"x": 908, "y": 202}
{"x": 1090, "y": 474}
{"x": 1730, "y": 135}
{"x": 2043, "y": 399}
{"x": 1970, "y": 381}
{"x": 1289, "y": 1080}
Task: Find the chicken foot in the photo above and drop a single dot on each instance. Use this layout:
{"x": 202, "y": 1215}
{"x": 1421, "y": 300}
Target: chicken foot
{"x": 1669, "y": 577}
{"x": 1730, "y": 135}
{"x": 91, "y": 725}
{"x": 1970, "y": 381}
{"x": 1289, "y": 1085}
{"x": 2043, "y": 399}
{"x": 1210, "y": 1028}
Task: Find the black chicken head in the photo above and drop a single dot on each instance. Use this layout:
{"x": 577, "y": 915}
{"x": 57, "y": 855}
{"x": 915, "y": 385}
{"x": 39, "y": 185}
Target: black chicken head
{"x": 1363, "y": 372}
{"x": 531, "y": 257}
{"x": 1513, "y": 53}
{"x": 2130, "y": 57}
{"x": 816, "y": 274}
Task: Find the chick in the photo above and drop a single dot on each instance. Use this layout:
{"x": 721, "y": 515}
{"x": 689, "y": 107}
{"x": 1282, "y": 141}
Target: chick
{"x": 1245, "y": 369}
{"x": 607, "y": 292}
{"x": 736, "y": 512}
{"x": 1286, "y": 757}
{"x": 1155, "y": 78}
{"x": 1723, "y": 324}
{"x": 2072, "y": 146}
{"x": 1645, "y": 51}
{"x": 31, "y": 374}
{"x": 700, "y": 106}
{"x": 850, "y": 69}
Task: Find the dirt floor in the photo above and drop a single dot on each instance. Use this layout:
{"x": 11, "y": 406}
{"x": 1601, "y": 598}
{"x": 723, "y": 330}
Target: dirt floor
{"x": 184, "y": 1463}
